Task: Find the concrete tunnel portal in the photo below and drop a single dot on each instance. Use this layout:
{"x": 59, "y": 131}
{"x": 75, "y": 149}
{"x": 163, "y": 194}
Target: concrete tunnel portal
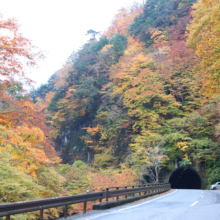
{"x": 183, "y": 178}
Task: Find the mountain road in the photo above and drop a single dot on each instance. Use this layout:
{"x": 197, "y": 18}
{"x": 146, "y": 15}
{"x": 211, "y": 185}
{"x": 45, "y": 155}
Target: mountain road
{"x": 178, "y": 204}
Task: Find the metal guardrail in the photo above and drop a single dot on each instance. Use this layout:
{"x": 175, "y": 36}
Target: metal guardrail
{"x": 34, "y": 205}
{"x": 140, "y": 188}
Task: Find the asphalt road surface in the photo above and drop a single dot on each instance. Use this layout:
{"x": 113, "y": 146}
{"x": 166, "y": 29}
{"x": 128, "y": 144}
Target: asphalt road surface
{"x": 178, "y": 204}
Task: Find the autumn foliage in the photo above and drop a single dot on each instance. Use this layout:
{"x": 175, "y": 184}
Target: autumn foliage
{"x": 143, "y": 96}
{"x": 144, "y": 83}
{"x": 25, "y": 146}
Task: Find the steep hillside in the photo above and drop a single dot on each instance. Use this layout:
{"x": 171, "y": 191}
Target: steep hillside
{"x": 128, "y": 104}
{"x": 148, "y": 86}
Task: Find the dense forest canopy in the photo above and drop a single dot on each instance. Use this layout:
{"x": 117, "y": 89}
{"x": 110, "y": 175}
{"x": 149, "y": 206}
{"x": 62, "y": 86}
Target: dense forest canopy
{"x": 146, "y": 90}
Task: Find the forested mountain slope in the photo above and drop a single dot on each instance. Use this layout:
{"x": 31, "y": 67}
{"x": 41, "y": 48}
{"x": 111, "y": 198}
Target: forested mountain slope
{"x": 150, "y": 80}
{"x": 147, "y": 88}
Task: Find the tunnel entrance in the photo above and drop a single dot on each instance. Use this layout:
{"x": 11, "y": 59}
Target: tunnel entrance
{"x": 183, "y": 178}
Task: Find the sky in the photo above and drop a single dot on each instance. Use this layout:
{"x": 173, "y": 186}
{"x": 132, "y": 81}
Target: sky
{"x": 59, "y": 27}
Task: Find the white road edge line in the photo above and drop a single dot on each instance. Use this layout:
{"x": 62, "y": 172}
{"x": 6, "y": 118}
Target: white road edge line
{"x": 194, "y": 203}
{"x": 132, "y": 206}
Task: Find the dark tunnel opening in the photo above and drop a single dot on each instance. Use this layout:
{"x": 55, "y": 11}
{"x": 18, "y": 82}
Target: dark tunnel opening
{"x": 183, "y": 178}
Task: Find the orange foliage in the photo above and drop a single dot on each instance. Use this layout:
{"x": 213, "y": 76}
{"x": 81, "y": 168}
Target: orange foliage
{"x": 122, "y": 21}
{"x": 83, "y": 112}
{"x": 15, "y": 49}
{"x": 125, "y": 125}
{"x": 61, "y": 76}
{"x": 22, "y": 127}
{"x": 91, "y": 140}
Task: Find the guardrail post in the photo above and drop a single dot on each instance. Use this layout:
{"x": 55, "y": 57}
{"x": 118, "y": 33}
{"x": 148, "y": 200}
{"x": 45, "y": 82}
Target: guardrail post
{"x": 8, "y": 217}
{"x": 84, "y": 207}
{"x": 139, "y": 192}
{"x": 65, "y": 211}
{"x": 100, "y": 200}
{"x": 126, "y": 196}
{"x": 41, "y": 214}
{"x": 133, "y": 188}
{"x": 106, "y": 194}
{"x": 117, "y": 196}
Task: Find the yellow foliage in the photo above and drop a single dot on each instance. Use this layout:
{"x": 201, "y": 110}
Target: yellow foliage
{"x": 28, "y": 104}
{"x": 92, "y": 131}
{"x": 186, "y": 158}
{"x": 201, "y": 17}
{"x": 133, "y": 46}
{"x": 157, "y": 35}
{"x": 31, "y": 170}
{"x": 154, "y": 32}
{"x": 16, "y": 157}
{"x": 107, "y": 47}
{"x": 204, "y": 39}
{"x": 69, "y": 92}
{"x": 183, "y": 145}
{"x": 48, "y": 97}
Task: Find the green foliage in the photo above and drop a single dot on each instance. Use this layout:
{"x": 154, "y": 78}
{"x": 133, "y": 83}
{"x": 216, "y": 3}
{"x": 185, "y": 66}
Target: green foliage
{"x": 158, "y": 13}
{"x": 213, "y": 176}
{"x": 88, "y": 90}
{"x": 151, "y": 92}
{"x": 18, "y": 185}
{"x": 104, "y": 160}
{"x": 185, "y": 163}
{"x": 44, "y": 89}
{"x": 49, "y": 177}
{"x": 15, "y": 91}
{"x": 98, "y": 45}
{"x": 123, "y": 102}
{"x": 58, "y": 95}
{"x": 93, "y": 33}
{"x": 117, "y": 103}
{"x": 78, "y": 164}
{"x": 119, "y": 42}
{"x": 76, "y": 177}
{"x": 64, "y": 168}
